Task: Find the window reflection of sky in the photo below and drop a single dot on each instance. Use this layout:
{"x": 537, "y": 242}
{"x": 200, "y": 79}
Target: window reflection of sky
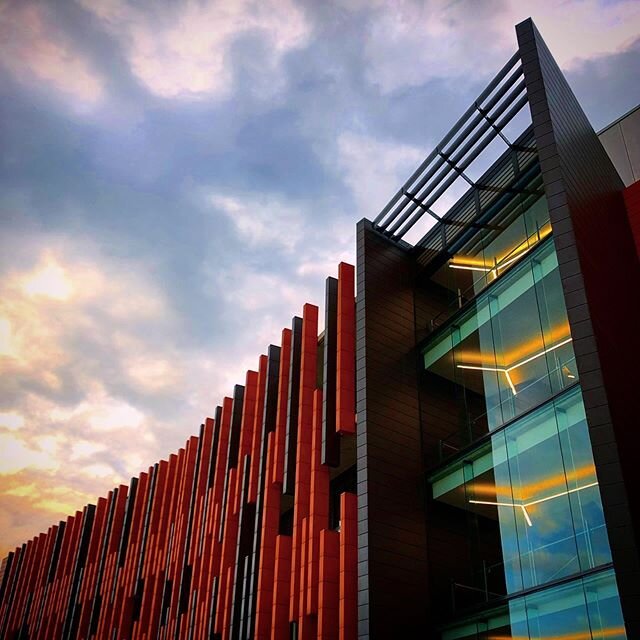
{"x": 537, "y": 478}
{"x": 584, "y": 609}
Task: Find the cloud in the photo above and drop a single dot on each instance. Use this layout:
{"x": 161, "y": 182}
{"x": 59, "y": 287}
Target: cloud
{"x": 36, "y": 52}
{"x": 262, "y": 220}
{"x": 409, "y": 43}
{"x": 184, "y": 50}
{"x": 375, "y": 169}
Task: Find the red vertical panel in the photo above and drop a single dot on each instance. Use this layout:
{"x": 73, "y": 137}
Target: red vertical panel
{"x": 194, "y": 542}
{"x": 143, "y": 623}
{"x": 211, "y": 552}
{"x": 269, "y": 533}
{"x": 184, "y": 503}
{"x": 308, "y": 378}
{"x": 329, "y": 588}
{"x": 159, "y": 529}
{"x": 228, "y": 550}
{"x": 258, "y": 420}
{"x": 281, "y": 416}
{"x": 307, "y": 625}
{"x": 349, "y": 567}
{"x": 108, "y": 577}
{"x": 14, "y": 573}
{"x": 346, "y": 357}
{"x": 21, "y": 587}
{"x": 91, "y": 566}
{"x": 251, "y": 409}
{"x": 124, "y": 605}
{"x": 41, "y": 578}
{"x": 174, "y": 537}
{"x": 281, "y": 587}
{"x": 319, "y": 505}
{"x": 62, "y": 599}
{"x": 226, "y": 596}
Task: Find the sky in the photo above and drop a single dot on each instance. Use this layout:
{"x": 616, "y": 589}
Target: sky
{"x": 178, "y": 178}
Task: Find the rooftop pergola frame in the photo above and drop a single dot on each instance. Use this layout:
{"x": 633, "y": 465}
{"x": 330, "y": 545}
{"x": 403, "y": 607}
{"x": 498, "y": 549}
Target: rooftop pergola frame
{"x": 454, "y": 160}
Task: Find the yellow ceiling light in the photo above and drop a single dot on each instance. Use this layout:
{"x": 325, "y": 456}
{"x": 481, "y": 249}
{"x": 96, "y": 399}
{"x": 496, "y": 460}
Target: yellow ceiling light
{"x": 506, "y": 371}
{"x": 469, "y": 263}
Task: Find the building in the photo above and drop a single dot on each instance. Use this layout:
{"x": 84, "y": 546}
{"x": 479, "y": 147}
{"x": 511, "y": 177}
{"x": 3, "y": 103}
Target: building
{"x": 452, "y": 458}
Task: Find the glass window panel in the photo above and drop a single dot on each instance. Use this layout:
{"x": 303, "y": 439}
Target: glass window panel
{"x": 549, "y": 517}
{"x": 584, "y": 609}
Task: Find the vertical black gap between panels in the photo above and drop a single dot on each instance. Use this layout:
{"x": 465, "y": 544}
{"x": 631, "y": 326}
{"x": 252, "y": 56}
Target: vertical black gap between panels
{"x": 330, "y": 439}
{"x": 270, "y": 414}
{"x": 232, "y": 455}
{"x": 185, "y": 577}
{"x": 81, "y": 556}
{"x": 288, "y": 485}
{"x": 212, "y": 606}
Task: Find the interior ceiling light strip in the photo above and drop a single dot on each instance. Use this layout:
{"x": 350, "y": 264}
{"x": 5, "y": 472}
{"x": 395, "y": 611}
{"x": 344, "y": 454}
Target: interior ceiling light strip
{"x": 542, "y": 234}
{"x": 523, "y": 506}
{"x": 507, "y": 370}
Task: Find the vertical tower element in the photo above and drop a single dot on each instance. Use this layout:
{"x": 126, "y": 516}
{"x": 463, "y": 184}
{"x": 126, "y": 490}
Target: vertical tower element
{"x": 594, "y": 246}
{"x": 392, "y": 550}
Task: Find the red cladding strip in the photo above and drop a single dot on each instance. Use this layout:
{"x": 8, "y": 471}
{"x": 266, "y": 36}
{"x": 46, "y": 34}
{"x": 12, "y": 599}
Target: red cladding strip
{"x": 270, "y": 526}
{"x": 319, "y": 506}
{"x": 281, "y": 586}
{"x": 345, "y": 380}
{"x": 328, "y": 588}
{"x": 253, "y": 398}
{"x": 308, "y": 377}
{"x": 281, "y": 416}
{"x": 258, "y": 420}
{"x": 348, "y": 566}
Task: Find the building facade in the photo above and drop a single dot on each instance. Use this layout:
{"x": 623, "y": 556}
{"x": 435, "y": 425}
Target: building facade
{"x": 452, "y": 457}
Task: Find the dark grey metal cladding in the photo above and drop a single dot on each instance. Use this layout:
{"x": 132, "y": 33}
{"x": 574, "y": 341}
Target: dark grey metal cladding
{"x": 270, "y": 414}
{"x": 600, "y": 274}
{"x": 330, "y": 438}
{"x": 288, "y": 484}
{"x": 214, "y": 448}
{"x": 232, "y": 451}
{"x": 392, "y": 546}
{"x": 236, "y": 423}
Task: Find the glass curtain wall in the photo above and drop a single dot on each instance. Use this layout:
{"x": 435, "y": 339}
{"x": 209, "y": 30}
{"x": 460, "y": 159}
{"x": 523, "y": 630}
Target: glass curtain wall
{"x": 501, "y": 373}
{"x": 585, "y": 609}
{"x": 537, "y": 479}
{"x": 510, "y": 351}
